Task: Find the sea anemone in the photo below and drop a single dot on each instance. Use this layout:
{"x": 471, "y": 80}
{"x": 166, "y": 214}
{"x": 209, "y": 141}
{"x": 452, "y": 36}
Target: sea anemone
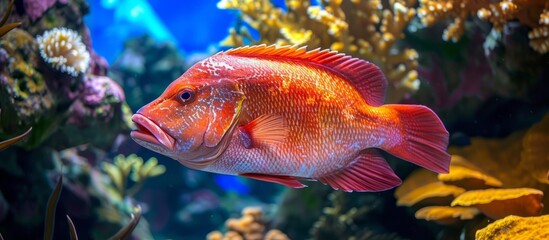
{"x": 63, "y": 49}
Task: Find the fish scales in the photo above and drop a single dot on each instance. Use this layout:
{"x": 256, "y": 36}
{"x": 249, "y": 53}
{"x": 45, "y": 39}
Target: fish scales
{"x": 314, "y": 126}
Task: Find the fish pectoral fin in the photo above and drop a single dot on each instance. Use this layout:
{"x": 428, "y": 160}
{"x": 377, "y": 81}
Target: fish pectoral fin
{"x": 288, "y": 181}
{"x": 368, "y": 172}
{"x": 266, "y": 129}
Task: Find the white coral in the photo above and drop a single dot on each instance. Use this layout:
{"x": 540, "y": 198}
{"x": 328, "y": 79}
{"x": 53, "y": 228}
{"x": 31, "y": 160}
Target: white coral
{"x": 63, "y": 49}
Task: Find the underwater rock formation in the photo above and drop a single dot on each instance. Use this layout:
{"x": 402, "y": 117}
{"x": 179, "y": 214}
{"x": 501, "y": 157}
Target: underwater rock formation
{"x": 369, "y": 30}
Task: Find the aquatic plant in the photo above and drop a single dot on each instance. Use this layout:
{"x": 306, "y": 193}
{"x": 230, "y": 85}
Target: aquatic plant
{"x": 49, "y": 223}
{"x": 63, "y": 49}
{"x": 366, "y": 29}
{"x": 7, "y": 143}
{"x": 6, "y": 28}
{"x": 515, "y": 227}
{"x": 534, "y": 14}
{"x": 133, "y": 167}
{"x": 250, "y": 226}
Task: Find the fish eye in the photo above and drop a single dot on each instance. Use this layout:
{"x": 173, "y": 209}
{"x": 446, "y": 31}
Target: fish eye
{"x": 186, "y": 95}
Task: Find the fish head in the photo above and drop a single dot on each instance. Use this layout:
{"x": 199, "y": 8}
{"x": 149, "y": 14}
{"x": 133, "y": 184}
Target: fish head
{"x": 192, "y": 121}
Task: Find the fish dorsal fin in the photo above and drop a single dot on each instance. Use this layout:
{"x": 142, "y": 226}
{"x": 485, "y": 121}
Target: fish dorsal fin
{"x": 365, "y": 76}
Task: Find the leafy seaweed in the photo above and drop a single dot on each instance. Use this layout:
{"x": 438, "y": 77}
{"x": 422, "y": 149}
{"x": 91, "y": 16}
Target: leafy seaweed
{"x": 49, "y": 223}
{"x": 126, "y": 232}
{"x": 72, "y": 229}
{"x": 5, "y": 144}
{"x": 6, "y": 28}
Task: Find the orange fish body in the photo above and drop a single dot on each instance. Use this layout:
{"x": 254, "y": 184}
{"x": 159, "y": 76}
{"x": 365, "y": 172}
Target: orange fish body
{"x": 281, "y": 114}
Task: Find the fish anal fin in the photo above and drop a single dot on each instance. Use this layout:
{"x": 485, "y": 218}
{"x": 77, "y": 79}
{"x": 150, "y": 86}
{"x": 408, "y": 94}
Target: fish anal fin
{"x": 368, "y": 172}
{"x": 266, "y": 129}
{"x": 288, "y": 181}
{"x": 365, "y": 76}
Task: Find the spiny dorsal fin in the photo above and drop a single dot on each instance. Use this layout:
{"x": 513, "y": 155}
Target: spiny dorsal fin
{"x": 365, "y": 76}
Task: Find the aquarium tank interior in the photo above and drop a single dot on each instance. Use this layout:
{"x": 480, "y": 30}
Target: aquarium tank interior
{"x": 274, "y": 119}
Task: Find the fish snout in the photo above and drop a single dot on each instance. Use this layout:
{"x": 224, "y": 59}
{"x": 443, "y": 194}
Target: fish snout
{"x": 150, "y": 135}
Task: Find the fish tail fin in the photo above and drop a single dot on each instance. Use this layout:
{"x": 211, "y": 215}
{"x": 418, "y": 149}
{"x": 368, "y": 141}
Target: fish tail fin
{"x": 425, "y": 139}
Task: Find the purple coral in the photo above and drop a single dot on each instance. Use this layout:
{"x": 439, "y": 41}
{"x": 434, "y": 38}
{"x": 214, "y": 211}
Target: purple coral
{"x": 102, "y": 89}
{"x": 98, "y": 100}
{"x": 36, "y": 8}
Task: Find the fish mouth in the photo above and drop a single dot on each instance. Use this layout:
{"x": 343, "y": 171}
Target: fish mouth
{"x": 148, "y": 132}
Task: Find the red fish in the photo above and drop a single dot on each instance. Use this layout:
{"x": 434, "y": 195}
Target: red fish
{"x": 284, "y": 114}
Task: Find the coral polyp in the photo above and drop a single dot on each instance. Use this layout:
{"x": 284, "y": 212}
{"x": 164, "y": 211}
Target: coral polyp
{"x": 63, "y": 49}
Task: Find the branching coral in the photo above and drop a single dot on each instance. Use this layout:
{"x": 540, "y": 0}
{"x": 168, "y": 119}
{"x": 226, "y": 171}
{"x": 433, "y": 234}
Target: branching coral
{"x": 534, "y": 14}
{"x": 63, "y": 49}
{"x": 364, "y": 29}
{"x": 250, "y": 226}
{"x": 122, "y": 167}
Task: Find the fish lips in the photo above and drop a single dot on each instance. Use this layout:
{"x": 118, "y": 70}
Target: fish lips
{"x": 149, "y": 134}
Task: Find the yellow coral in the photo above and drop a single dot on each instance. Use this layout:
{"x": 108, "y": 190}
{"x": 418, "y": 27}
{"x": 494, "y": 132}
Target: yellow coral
{"x": 469, "y": 178}
{"x": 516, "y": 228}
{"x": 63, "y": 49}
{"x": 249, "y": 227}
{"x": 363, "y": 29}
{"x": 532, "y": 13}
{"x": 535, "y": 156}
{"x": 436, "y": 192}
{"x": 446, "y": 215}
{"x": 499, "y": 203}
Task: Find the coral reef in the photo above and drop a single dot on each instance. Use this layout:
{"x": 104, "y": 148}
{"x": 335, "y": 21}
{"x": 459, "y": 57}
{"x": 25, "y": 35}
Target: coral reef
{"x": 514, "y": 227}
{"x": 495, "y": 180}
{"x": 63, "y": 49}
{"x": 250, "y": 226}
{"x": 51, "y": 81}
{"x": 533, "y": 14}
{"x": 369, "y": 30}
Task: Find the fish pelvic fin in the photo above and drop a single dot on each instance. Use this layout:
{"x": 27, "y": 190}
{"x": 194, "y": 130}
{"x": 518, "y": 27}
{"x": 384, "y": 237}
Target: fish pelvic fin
{"x": 425, "y": 139}
{"x": 368, "y": 172}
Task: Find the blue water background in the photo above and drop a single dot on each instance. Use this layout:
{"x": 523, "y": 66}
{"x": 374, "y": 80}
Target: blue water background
{"x": 192, "y": 26}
